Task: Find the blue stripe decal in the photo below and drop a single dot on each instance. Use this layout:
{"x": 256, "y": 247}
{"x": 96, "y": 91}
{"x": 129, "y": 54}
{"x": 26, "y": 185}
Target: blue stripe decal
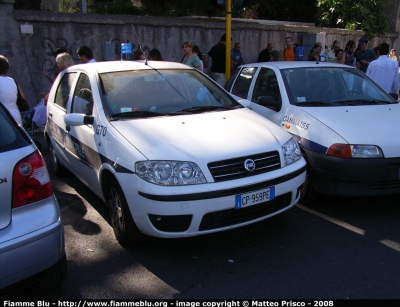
{"x": 91, "y": 157}
{"x": 310, "y": 145}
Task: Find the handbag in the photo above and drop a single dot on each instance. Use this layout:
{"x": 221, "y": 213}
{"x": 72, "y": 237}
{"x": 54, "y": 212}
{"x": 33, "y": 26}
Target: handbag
{"x": 22, "y": 104}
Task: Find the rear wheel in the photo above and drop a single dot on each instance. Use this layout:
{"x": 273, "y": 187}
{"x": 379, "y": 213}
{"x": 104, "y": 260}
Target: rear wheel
{"x": 55, "y": 164}
{"x": 125, "y": 229}
{"x": 54, "y": 277}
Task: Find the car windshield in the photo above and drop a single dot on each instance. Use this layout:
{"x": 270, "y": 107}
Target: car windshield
{"x": 332, "y": 86}
{"x": 150, "y": 93}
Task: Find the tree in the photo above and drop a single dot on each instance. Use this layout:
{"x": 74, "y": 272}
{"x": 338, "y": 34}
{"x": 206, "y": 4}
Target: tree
{"x": 284, "y": 10}
{"x": 366, "y": 15}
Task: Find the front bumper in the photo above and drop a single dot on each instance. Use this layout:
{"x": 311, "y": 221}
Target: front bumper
{"x": 354, "y": 177}
{"x": 172, "y": 212}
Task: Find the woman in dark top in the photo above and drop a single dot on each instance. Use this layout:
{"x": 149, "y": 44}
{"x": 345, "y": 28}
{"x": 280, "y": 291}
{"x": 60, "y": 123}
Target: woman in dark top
{"x": 348, "y": 56}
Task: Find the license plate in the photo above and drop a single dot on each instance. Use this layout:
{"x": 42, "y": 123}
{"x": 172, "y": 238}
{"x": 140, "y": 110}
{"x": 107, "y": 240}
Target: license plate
{"x": 253, "y": 198}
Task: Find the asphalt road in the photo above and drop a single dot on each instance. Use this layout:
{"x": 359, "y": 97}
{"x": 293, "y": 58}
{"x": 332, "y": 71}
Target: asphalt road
{"x": 338, "y": 248}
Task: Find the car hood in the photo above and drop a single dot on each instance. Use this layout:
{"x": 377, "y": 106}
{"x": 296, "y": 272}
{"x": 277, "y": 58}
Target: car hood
{"x": 370, "y": 125}
{"x": 203, "y": 137}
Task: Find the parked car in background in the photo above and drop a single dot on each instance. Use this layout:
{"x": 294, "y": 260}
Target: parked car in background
{"x": 345, "y": 124}
{"x": 31, "y": 230}
{"x": 170, "y": 152}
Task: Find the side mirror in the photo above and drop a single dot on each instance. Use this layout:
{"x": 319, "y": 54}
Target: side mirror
{"x": 270, "y": 103}
{"x": 77, "y": 119}
{"x": 394, "y": 95}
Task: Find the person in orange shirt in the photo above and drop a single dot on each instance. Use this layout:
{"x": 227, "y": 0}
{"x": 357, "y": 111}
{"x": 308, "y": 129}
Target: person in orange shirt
{"x": 288, "y": 52}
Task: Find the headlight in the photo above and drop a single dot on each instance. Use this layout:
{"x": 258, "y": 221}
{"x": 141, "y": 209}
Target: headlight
{"x": 170, "y": 172}
{"x": 291, "y": 151}
{"x": 355, "y": 151}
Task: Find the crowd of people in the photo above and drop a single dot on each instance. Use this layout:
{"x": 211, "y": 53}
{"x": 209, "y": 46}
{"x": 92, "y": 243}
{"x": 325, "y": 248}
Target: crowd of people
{"x": 379, "y": 63}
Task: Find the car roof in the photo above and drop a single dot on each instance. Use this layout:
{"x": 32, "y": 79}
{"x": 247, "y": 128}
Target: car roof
{"x": 296, "y": 64}
{"x": 112, "y": 66}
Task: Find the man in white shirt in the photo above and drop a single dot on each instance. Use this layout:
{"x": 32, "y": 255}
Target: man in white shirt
{"x": 331, "y": 55}
{"x": 384, "y": 71}
{"x": 85, "y": 54}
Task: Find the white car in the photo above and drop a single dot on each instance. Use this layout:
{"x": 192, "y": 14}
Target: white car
{"x": 168, "y": 150}
{"x": 346, "y": 125}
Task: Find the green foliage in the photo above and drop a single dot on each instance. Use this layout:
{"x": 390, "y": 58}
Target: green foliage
{"x": 284, "y": 10}
{"x": 69, "y": 6}
{"x": 178, "y": 8}
{"x": 366, "y": 15}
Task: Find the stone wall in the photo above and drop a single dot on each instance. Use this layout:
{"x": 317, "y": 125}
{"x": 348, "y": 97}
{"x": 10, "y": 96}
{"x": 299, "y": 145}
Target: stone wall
{"x": 30, "y": 52}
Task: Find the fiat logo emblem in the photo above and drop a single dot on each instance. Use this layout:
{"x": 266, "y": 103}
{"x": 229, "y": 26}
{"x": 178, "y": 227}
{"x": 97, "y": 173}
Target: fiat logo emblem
{"x": 249, "y": 165}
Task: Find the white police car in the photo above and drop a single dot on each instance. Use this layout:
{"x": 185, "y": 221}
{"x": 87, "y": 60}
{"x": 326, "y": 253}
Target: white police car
{"x": 170, "y": 152}
{"x": 346, "y": 125}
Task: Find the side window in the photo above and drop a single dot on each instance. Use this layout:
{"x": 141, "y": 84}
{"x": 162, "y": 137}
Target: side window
{"x": 63, "y": 90}
{"x": 266, "y": 85}
{"x": 243, "y": 82}
{"x": 83, "y": 99}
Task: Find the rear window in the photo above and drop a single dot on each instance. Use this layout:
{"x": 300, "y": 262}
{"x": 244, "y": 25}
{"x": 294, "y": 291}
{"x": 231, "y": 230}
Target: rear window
{"x": 11, "y": 136}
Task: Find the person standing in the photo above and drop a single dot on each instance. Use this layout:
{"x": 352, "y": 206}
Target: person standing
{"x": 236, "y": 56}
{"x": 331, "y": 55}
{"x": 312, "y": 56}
{"x": 365, "y": 55}
{"x": 315, "y": 54}
{"x": 348, "y": 56}
{"x": 63, "y": 61}
{"x": 288, "y": 53}
{"x": 196, "y": 51}
{"x": 9, "y": 90}
{"x": 85, "y": 54}
{"x": 384, "y": 71}
{"x": 393, "y": 55}
{"x": 155, "y": 55}
{"x": 265, "y": 54}
{"x": 190, "y": 58}
{"x": 217, "y": 54}
{"x": 338, "y": 55}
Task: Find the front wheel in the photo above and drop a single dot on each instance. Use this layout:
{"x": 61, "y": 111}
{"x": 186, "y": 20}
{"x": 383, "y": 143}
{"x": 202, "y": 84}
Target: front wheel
{"x": 308, "y": 194}
{"x": 125, "y": 229}
{"x": 55, "y": 164}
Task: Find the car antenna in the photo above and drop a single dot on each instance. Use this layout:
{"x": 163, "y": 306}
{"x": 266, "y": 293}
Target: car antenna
{"x": 140, "y": 46}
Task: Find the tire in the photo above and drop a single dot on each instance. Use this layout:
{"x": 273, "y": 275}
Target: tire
{"x": 308, "y": 195}
{"x": 55, "y": 164}
{"x": 125, "y": 229}
{"x": 54, "y": 277}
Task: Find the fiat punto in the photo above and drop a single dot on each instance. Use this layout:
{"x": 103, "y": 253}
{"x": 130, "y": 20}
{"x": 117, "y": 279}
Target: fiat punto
{"x": 170, "y": 152}
{"x": 344, "y": 122}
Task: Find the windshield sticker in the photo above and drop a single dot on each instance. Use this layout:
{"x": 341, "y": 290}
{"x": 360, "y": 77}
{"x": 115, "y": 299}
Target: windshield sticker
{"x": 123, "y": 110}
{"x": 301, "y": 99}
{"x": 297, "y": 122}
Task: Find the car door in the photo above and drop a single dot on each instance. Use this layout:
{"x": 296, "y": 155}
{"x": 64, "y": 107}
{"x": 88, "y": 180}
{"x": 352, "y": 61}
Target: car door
{"x": 58, "y": 103}
{"x": 253, "y": 82}
{"x": 81, "y": 140}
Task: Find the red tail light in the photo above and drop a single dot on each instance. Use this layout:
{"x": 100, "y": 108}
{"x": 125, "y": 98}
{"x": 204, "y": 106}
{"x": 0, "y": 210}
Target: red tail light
{"x": 31, "y": 181}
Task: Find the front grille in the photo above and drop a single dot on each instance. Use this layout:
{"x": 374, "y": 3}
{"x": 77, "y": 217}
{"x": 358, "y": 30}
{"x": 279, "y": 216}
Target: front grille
{"x": 233, "y": 216}
{"x": 234, "y": 168}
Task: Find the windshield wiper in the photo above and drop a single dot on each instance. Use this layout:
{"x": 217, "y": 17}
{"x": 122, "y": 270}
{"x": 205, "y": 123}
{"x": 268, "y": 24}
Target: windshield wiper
{"x": 140, "y": 114}
{"x": 315, "y": 103}
{"x": 357, "y": 102}
{"x": 199, "y": 109}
